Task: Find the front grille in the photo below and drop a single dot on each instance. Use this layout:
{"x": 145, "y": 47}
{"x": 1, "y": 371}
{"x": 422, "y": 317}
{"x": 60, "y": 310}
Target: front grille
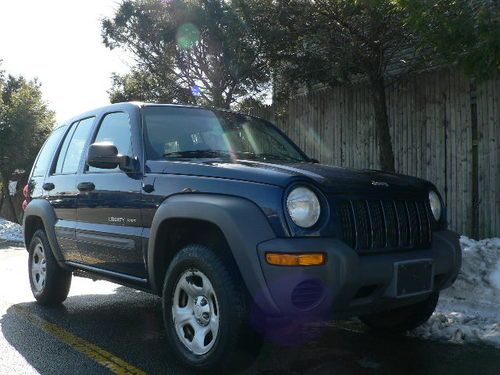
{"x": 384, "y": 224}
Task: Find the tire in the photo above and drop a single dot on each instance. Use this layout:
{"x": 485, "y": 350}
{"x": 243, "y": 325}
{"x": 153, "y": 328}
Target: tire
{"x": 402, "y": 319}
{"x": 49, "y": 282}
{"x": 205, "y": 312}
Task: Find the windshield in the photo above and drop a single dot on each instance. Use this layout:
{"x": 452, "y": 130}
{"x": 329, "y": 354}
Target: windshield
{"x": 187, "y": 133}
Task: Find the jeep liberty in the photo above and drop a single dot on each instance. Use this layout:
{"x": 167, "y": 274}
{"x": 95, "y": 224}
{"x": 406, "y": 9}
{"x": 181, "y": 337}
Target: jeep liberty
{"x": 227, "y": 220}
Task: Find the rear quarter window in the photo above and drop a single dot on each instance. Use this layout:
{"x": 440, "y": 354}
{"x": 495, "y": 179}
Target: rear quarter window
{"x": 46, "y": 153}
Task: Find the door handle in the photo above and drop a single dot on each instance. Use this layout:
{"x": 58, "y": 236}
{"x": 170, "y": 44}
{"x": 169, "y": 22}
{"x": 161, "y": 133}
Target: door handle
{"x": 86, "y": 186}
{"x": 48, "y": 186}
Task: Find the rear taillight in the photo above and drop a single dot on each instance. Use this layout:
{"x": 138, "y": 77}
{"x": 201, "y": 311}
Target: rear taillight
{"x": 27, "y": 197}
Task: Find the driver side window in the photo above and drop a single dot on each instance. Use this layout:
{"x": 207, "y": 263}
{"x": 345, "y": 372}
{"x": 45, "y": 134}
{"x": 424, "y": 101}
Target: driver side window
{"x": 115, "y": 128}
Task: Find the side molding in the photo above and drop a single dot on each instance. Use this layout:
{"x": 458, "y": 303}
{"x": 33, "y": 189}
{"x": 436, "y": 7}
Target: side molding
{"x": 243, "y": 224}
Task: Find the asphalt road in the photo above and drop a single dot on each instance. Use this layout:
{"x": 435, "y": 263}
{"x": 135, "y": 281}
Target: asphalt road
{"x": 105, "y": 328}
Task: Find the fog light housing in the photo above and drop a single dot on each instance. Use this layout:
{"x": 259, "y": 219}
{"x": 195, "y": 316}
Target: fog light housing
{"x": 301, "y": 259}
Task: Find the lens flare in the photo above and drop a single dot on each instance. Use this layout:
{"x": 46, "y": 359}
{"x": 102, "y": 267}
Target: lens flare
{"x": 187, "y": 36}
{"x": 196, "y": 90}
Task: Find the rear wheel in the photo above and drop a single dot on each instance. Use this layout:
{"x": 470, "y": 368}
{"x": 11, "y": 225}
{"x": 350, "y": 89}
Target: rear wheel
{"x": 205, "y": 312}
{"x": 49, "y": 282}
{"x": 404, "y": 318}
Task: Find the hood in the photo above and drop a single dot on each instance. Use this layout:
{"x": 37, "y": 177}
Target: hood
{"x": 327, "y": 178}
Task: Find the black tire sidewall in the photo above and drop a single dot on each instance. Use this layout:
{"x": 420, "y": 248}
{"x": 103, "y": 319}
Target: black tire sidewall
{"x": 232, "y": 309}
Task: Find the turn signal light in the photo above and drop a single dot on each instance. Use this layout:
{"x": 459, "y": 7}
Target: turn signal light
{"x": 305, "y": 259}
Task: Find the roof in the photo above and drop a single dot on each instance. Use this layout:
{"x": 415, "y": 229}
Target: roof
{"x": 124, "y": 105}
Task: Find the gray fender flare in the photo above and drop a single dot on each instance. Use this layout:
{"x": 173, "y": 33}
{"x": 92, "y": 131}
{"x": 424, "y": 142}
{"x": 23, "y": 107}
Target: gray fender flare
{"x": 243, "y": 224}
{"x": 41, "y": 208}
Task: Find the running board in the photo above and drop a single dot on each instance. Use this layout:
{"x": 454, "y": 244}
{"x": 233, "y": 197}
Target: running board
{"x": 94, "y": 273}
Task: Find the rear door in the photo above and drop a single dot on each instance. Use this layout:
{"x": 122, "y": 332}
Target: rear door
{"x": 109, "y": 206}
{"x": 43, "y": 162}
{"x": 61, "y": 185}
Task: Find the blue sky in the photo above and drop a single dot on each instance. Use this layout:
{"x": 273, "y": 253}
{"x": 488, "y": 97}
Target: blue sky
{"x": 59, "y": 42}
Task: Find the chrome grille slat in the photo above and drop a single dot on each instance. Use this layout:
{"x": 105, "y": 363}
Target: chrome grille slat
{"x": 403, "y": 224}
{"x": 349, "y": 230}
{"x": 362, "y": 219}
{"x": 424, "y": 222}
{"x": 391, "y": 223}
{"x": 378, "y": 224}
{"x": 413, "y": 223}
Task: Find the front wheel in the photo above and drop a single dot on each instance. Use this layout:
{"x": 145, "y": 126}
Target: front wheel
{"x": 49, "y": 282}
{"x": 404, "y": 318}
{"x": 205, "y": 310}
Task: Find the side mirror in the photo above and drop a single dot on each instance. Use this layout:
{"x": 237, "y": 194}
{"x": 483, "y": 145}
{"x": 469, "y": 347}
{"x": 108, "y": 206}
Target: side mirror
{"x": 105, "y": 155}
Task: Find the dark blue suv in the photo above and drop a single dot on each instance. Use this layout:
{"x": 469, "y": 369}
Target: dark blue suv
{"x": 233, "y": 225}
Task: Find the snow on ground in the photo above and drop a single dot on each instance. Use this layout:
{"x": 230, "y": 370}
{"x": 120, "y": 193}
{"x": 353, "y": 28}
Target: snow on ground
{"x": 469, "y": 311}
{"x": 10, "y": 231}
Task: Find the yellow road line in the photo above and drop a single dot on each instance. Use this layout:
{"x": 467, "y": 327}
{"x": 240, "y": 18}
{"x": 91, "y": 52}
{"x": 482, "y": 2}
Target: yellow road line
{"x": 92, "y": 351}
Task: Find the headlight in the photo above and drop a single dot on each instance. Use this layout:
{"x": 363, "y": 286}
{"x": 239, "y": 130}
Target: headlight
{"x": 303, "y": 207}
{"x": 435, "y": 203}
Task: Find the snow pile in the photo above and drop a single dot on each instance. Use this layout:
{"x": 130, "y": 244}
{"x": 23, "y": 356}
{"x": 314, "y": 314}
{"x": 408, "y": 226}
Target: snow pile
{"x": 459, "y": 328}
{"x": 10, "y": 231}
{"x": 469, "y": 311}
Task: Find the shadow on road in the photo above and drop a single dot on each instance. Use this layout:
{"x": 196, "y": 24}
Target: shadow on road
{"x": 128, "y": 324}
{"x": 11, "y": 245}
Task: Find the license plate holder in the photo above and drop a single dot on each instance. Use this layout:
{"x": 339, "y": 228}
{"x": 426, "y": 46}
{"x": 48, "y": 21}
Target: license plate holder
{"x": 412, "y": 278}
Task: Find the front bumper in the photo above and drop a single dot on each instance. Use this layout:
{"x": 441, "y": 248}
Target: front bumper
{"x": 349, "y": 284}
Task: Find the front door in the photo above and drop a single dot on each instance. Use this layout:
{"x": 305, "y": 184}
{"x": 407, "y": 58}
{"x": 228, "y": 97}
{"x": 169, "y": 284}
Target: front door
{"x": 109, "y": 224}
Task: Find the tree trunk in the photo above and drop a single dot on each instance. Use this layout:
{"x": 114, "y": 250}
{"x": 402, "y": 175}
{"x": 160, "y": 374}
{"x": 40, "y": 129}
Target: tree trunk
{"x": 217, "y": 98}
{"x": 382, "y": 124}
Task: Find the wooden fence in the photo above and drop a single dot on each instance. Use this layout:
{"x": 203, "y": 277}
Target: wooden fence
{"x": 444, "y": 128}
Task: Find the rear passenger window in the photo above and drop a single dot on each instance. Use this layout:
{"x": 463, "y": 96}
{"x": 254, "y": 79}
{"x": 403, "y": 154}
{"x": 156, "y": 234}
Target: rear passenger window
{"x": 71, "y": 151}
{"x": 115, "y": 128}
{"x": 64, "y": 148}
{"x": 47, "y": 152}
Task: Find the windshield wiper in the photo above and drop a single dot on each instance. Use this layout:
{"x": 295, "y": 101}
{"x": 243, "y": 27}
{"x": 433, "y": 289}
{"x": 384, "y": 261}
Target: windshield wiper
{"x": 197, "y": 154}
{"x": 227, "y": 154}
{"x": 278, "y": 156}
